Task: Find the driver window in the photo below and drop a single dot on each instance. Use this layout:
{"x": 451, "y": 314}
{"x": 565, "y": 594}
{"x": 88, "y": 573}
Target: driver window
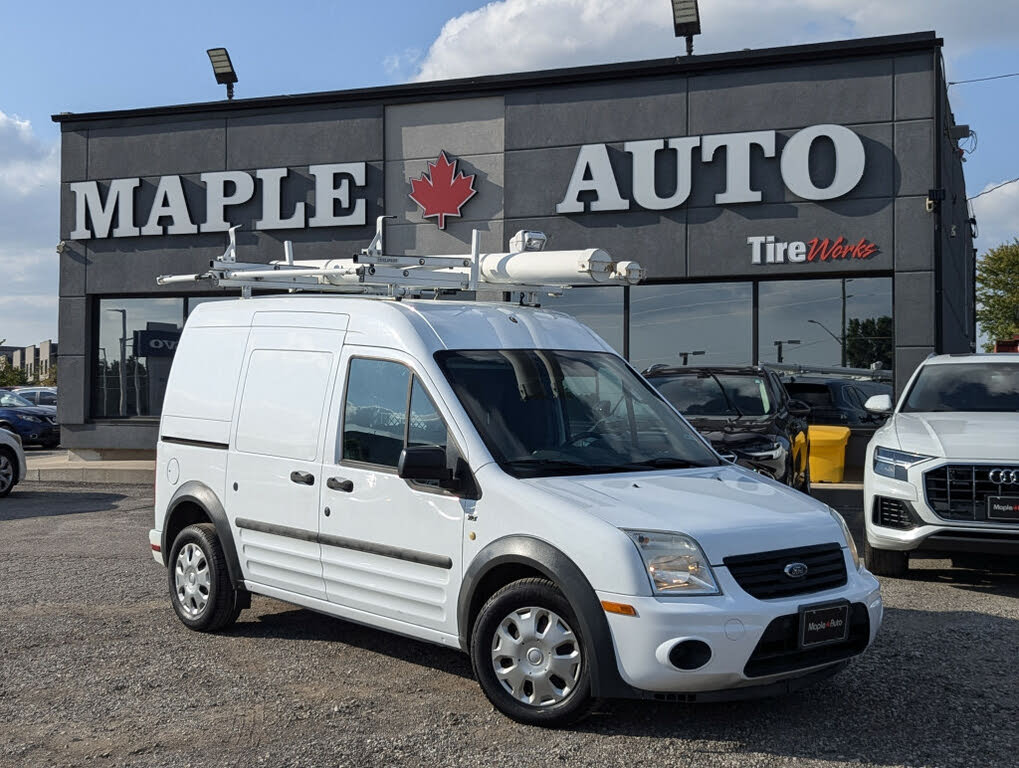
{"x": 375, "y": 412}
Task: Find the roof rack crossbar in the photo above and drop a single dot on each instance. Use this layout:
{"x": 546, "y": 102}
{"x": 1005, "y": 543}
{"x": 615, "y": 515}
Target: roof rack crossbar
{"x": 526, "y": 268}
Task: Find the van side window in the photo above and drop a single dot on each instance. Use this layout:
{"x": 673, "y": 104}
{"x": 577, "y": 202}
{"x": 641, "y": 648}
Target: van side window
{"x": 375, "y": 413}
{"x": 425, "y": 426}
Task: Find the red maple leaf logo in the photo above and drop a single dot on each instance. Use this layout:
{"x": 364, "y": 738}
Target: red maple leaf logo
{"x": 441, "y": 193}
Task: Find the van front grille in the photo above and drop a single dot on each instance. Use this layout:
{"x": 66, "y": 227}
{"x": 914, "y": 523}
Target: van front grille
{"x": 764, "y": 576}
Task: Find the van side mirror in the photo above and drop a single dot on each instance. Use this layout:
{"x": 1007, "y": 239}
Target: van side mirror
{"x": 424, "y": 463}
{"x": 798, "y": 408}
{"x": 879, "y": 404}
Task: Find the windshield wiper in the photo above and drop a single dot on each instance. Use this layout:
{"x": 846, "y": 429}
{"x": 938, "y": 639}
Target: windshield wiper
{"x": 663, "y": 462}
{"x": 549, "y": 464}
{"x": 728, "y": 400}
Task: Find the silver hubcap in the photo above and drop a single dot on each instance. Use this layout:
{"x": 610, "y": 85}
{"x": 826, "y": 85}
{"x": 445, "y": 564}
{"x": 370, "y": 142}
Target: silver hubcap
{"x": 6, "y": 472}
{"x": 191, "y": 580}
{"x": 536, "y": 656}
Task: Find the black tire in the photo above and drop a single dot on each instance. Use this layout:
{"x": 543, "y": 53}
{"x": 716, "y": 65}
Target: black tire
{"x": 8, "y": 456}
{"x": 517, "y": 597}
{"x": 886, "y": 562}
{"x": 221, "y": 607}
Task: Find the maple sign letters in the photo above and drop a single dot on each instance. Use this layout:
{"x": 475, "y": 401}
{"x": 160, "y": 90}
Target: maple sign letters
{"x": 336, "y": 203}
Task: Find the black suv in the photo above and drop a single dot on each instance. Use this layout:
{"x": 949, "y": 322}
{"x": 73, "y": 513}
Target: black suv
{"x": 745, "y": 412}
{"x": 839, "y": 401}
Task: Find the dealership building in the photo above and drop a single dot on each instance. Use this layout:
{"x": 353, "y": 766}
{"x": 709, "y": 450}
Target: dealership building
{"x": 803, "y": 204}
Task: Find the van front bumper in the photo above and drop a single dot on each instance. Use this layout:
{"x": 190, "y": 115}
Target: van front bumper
{"x": 732, "y": 626}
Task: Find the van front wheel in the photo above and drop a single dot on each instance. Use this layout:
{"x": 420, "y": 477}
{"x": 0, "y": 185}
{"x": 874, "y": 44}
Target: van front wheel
{"x": 529, "y": 657}
{"x": 200, "y": 589}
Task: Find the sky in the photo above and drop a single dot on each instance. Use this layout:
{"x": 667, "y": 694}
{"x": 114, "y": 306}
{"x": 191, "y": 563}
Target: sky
{"x": 62, "y": 56}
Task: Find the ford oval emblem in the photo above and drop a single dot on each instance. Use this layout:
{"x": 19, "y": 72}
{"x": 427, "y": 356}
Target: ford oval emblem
{"x": 796, "y": 570}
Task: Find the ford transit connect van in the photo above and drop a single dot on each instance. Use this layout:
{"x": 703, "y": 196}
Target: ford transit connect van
{"x": 495, "y": 479}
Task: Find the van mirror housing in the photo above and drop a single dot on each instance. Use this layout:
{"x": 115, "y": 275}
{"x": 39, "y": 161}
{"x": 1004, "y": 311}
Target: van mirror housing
{"x": 879, "y": 404}
{"x": 424, "y": 463}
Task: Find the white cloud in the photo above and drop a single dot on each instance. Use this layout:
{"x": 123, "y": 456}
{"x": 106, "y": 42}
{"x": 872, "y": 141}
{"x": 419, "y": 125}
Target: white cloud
{"x": 29, "y": 226}
{"x": 997, "y": 215}
{"x": 523, "y": 35}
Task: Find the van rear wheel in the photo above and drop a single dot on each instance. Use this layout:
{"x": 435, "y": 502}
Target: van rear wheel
{"x": 202, "y": 594}
{"x": 529, "y": 657}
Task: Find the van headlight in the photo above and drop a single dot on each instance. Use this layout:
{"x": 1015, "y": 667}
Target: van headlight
{"x": 895, "y": 464}
{"x": 850, "y": 541}
{"x": 675, "y": 563}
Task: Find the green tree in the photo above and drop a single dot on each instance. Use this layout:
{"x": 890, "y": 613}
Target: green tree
{"x": 869, "y": 340}
{"x": 998, "y": 293}
{"x": 12, "y": 377}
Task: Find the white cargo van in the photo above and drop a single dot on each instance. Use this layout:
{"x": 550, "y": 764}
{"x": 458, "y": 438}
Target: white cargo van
{"x": 495, "y": 479}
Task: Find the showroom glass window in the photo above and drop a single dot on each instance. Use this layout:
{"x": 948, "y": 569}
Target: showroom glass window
{"x": 135, "y": 343}
{"x": 600, "y": 308}
{"x": 805, "y": 321}
{"x": 711, "y": 322}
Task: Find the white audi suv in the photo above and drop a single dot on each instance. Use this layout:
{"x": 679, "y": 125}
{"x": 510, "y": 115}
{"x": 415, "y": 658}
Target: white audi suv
{"x": 942, "y": 475}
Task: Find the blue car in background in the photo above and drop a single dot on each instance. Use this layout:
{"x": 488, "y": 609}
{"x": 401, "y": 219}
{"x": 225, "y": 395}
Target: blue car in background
{"x": 35, "y": 424}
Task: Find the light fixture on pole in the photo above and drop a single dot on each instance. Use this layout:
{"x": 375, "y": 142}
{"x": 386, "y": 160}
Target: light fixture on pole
{"x": 223, "y": 69}
{"x": 842, "y": 341}
{"x": 686, "y": 20}
{"x": 123, "y": 359}
{"x": 779, "y": 343}
{"x": 686, "y": 355}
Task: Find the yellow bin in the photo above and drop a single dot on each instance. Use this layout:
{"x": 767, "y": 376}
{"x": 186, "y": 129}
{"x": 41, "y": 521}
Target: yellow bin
{"x": 827, "y": 453}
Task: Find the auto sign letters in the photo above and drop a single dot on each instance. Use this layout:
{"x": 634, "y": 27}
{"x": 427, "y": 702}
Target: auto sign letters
{"x": 593, "y": 172}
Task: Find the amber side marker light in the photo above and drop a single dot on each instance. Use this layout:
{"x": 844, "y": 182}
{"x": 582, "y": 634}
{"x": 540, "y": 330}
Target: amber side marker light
{"x": 621, "y": 608}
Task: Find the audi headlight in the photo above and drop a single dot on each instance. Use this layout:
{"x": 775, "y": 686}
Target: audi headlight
{"x": 895, "y": 464}
{"x": 29, "y": 417}
{"x": 675, "y": 563}
{"x": 850, "y": 541}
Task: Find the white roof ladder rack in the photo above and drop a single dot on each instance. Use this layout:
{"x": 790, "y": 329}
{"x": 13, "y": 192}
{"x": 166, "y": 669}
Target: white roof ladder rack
{"x": 527, "y": 268}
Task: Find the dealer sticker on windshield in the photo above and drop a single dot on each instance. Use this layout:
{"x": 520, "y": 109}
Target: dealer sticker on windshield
{"x": 1003, "y": 508}
{"x": 822, "y": 624}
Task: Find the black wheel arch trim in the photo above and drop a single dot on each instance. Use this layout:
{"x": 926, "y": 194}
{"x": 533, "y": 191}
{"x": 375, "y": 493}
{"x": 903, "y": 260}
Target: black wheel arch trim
{"x": 546, "y": 559}
{"x": 195, "y": 492}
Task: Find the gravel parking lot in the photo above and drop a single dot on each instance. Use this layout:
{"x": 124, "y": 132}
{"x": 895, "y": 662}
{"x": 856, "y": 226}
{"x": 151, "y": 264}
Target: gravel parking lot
{"x": 95, "y": 669}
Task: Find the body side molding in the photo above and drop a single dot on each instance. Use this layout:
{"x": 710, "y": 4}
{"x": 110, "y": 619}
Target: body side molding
{"x": 358, "y": 545}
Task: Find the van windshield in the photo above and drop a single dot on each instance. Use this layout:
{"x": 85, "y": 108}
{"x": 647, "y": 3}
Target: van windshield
{"x": 549, "y": 412}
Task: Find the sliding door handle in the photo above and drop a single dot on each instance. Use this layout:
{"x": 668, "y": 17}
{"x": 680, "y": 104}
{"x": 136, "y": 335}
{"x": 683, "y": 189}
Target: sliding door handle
{"x": 339, "y": 484}
{"x": 303, "y": 478}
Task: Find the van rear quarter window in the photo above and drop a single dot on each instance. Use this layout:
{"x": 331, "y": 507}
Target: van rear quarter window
{"x": 273, "y": 421}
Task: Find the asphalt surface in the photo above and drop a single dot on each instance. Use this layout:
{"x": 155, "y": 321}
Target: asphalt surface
{"x": 95, "y": 669}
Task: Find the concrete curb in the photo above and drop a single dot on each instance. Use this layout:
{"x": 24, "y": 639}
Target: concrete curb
{"x": 76, "y": 473}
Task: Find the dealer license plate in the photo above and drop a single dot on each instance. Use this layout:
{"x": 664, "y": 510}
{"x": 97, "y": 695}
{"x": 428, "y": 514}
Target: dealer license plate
{"x": 823, "y": 624}
{"x": 1003, "y": 508}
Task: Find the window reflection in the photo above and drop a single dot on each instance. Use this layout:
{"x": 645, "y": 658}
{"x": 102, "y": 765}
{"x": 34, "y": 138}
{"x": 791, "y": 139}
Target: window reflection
{"x": 805, "y": 321}
{"x": 136, "y": 342}
{"x": 710, "y": 322}
{"x": 600, "y": 309}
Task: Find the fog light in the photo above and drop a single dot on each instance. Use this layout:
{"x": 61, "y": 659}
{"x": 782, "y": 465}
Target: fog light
{"x": 690, "y": 654}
